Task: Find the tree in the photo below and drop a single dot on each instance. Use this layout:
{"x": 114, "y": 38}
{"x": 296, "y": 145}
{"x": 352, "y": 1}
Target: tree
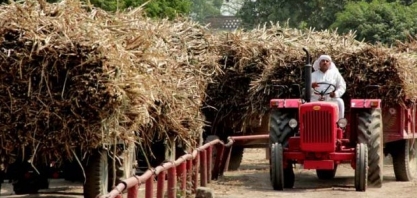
{"x": 299, "y": 13}
{"x": 154, "y": 8}
{"x": 200, "y": 9}
{"x": 378, "y": 21}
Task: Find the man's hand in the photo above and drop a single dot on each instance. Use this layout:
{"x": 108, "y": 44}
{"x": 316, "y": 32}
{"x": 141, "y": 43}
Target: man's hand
{"x": 332, "y": 94}
{"x": 314, "y": 85}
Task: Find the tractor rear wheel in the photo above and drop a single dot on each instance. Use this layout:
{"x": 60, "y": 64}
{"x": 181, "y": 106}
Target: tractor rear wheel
{"x": 279, "y": 133}
{"x": 361, "y": 171}
{"x": 279, "y": 130}
{"x": 370, "y": 133}
{"x": 404, "y": 154}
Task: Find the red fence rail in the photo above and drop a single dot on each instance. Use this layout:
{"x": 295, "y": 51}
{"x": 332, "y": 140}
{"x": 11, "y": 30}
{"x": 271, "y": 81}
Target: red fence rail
{"x": 185, "y": 168}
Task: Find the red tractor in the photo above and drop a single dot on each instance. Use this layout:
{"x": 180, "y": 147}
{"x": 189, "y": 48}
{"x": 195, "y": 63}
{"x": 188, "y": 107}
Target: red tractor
{"x": 311, "y": 134}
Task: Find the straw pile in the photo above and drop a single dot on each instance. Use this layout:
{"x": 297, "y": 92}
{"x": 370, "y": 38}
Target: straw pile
{"x": 73, "y": 78}
{"x": 274, "y": 56}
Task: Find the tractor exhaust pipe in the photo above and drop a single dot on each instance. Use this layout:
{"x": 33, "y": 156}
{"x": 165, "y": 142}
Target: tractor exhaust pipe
{"x": 307, "y": 76}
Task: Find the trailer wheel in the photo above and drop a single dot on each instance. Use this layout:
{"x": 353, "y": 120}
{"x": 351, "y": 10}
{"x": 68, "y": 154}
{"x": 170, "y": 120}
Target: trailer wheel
{"x": 370, "y": 133}
{"x": 326, "y": 174}
{"x": 235, "y": 157}
{"x": 279, "y": 130}
{"x": 361, "y": 169}
{"x": 97, "y": 174}
{"x": 404, "y": 155}
{"x": 28, "y": 185}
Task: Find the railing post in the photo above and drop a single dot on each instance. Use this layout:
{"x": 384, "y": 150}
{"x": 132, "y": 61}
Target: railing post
{"x": 182, "y": 174}
{"x": 225, "y": 156}
{"x": 189, "y": 176}
{"x": 219, "y": 154}
{"x": 209, "y": 163}
{"x": 172, "y": 182}
{"x": 132, "y": 192}
{"x": 203, "y": 170}
{"x": 160, "y": 186}
{"x": 149, "y": 187}
{"x": 196, "y": 166}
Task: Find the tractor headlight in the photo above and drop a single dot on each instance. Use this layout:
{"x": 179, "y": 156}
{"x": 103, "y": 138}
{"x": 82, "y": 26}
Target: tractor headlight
{"x": 342, "y": 123}
{"x": 293, "y": 123}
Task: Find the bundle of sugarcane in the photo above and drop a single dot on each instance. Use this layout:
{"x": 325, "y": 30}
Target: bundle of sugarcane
{"x": 250, "y": 61}
{"x": 241, "y": 62}
{"x": 180, "y": 57}
{"x": 73, "y": 78}
{"x": 283, "y": 60}
{"x": 359, "y": 63}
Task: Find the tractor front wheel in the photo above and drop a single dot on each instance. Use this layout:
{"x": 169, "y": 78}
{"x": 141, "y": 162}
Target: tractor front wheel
{"x": 276, "y": 167}
{"x": 361, "y": 169}
{"x": 280, "y": 177}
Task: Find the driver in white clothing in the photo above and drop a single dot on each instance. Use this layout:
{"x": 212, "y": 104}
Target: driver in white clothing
{"x": 327, "y": 79}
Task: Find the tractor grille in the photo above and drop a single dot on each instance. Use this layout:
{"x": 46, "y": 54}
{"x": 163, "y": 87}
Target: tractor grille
{"x": 317, "y": 127}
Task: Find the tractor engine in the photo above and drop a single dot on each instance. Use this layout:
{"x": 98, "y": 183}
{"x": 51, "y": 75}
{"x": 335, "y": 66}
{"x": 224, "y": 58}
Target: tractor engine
{"x": 318, "y": 128}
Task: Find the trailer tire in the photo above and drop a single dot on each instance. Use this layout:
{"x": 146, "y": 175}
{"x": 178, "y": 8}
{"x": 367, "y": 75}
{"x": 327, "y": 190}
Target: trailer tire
{"x": 235, "y": 157}
{"x": 96, "y": 173}
{"x": 404, "y": 159}
{"x": 370, "y": 133}
{"x": 101, "y": 170}
{"x": 279, "y": 130}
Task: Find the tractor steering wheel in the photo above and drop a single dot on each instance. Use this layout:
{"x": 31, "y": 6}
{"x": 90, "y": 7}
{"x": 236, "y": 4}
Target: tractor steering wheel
{"x": 322, "y": 93}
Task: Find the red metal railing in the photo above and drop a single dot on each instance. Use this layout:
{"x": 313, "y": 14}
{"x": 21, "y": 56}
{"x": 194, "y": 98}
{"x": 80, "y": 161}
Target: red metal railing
{"x": 185, "y": 168}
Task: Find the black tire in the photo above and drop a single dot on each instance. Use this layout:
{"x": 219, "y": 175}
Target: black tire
{"x": 23, "y": 185}
{"x": 276, "y": 170}
{"x": 280, "y": 177}
{"x": 97, "y": 174}
{"x": 279, "y": 130}
{"x": 326, "y": 174}
{"x": 370, "y": 132}
{"x": 404, "y": 159}
{"x": 361, "y": 170}
{"x": 235, "y": 157}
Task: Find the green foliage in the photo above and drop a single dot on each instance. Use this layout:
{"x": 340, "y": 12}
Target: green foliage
{"x": 378, "y": 21}
{"x": 203, "y": 8}
{"x": 298, "y": 13}
{"x": 154, "y": 8}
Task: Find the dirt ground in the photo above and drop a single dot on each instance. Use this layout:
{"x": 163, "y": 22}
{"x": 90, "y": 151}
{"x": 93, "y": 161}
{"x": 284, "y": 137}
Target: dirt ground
{"x": 252, "y": 180}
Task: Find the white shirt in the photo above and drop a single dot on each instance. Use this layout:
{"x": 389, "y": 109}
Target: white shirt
{"x": 331, "y": 76}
